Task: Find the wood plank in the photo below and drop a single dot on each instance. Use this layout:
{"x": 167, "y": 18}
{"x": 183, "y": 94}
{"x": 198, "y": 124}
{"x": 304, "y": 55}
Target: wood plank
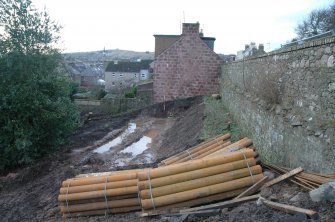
{"x": 229, "y": 203}
{"x": 283, "y": 177}
{"x": 254, "y": 188}
{"x": 289, "y": 209}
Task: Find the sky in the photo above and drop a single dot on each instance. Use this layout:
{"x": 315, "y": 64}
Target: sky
{"x": 90, "y": 25}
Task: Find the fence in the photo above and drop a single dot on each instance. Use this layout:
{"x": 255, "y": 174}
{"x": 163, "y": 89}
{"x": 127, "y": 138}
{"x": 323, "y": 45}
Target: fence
{"x": 115, "y": 105}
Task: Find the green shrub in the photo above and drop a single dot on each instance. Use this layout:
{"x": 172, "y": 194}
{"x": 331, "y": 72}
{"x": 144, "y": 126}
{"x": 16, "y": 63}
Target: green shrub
{"x": 131, "y": 93}
{"x": 98, "y": 93}
{"x": 36, "y": 112}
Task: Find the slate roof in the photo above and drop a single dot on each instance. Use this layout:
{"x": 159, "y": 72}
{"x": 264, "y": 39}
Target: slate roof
{"x": 127, "y": 66}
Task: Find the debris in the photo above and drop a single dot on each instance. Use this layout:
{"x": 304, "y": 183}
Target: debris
{"x": 307, "y": 180}
{"x": 324, "y": 192}
{"x": 283, "y": 177}
{"x": 287, "y": 208}
{"x": 225, "y": 204}
{"x": 253, "y": 189}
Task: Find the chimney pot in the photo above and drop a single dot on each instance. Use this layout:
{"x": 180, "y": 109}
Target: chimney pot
{"x": 191, "y": 28}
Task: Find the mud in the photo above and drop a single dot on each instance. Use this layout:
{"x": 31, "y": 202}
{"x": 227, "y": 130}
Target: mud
{"x": 30, "y": 193}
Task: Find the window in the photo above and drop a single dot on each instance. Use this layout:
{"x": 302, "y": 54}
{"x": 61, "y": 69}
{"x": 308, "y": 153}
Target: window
{"x": 143, "y": 75}
{"x": 121, "y": 74}
{"x": 113, "y": 83}
{"x": 113, "y": 74}
{"x": 135, "y": 75}
{"x": 120, "y": 83}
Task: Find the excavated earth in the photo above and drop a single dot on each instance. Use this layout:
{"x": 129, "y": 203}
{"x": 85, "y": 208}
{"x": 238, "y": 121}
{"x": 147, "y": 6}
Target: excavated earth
{"x": 30, "y": 193}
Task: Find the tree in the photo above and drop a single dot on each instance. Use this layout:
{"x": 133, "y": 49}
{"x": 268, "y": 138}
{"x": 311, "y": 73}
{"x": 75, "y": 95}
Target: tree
{"x": 318, "y": 21}
{"x": 36, "y": 112}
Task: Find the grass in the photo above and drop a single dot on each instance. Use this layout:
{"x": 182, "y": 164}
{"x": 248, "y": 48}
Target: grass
{"x": 218, "y": 120}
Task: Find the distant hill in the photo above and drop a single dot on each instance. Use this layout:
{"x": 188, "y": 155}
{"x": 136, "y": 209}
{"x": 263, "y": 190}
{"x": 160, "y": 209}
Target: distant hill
{"x": 103, "y": 55}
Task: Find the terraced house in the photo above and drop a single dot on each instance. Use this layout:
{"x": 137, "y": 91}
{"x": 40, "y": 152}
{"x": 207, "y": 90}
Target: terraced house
{"x": 125, "y": 73}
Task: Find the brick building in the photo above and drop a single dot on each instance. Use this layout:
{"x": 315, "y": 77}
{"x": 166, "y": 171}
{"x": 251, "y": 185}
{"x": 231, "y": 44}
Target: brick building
{"x": 185, "y": 65}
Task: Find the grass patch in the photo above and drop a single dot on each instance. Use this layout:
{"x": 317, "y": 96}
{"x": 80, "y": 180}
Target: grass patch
{"x": 218, "y": 120}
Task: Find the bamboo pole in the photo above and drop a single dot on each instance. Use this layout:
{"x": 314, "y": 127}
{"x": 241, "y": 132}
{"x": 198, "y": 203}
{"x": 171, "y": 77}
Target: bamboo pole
{"x": 198, "y": 183}
{"x": 195, "y": 164}
{"x": 98, "y": 193}
{"x": 195, "y": 174}
{"x": 100, "y": 205}
{"x": 98, "y": 186}
{"x": 200, "y": 192}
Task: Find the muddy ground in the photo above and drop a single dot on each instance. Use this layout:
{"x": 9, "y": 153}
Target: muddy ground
{"x": 30, "y": 193}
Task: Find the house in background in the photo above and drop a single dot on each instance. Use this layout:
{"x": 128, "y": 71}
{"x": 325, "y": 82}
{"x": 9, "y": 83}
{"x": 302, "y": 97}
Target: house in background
{"x": 84, "y": 73}
{"x": 185, "y": 65}
{"x": 125, "y": 73}
{"x": 250, "y": 50}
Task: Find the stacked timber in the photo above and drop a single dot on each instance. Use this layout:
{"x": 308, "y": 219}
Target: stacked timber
{"x": 103, "y": 194}
{"x": 214, "y": 146}
{"x": 307, "y": 180}
{"x": 198, "y": 181}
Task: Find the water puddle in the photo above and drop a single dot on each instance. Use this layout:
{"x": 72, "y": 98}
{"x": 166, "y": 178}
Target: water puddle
{"x": 138, "y": 147}
{"x": 118, "y": 140}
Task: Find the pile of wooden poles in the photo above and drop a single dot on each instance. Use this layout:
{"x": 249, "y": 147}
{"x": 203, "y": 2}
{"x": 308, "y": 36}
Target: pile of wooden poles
{"x": 212, "y": 147}
{"x": 198, "y": 181}
{"x": 306, "y": 180}
{"x": 98, "y": 195}
{"x": 214, "y": 170}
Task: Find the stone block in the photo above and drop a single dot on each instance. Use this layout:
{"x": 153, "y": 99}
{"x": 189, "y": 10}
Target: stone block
{"x": 326, "y": 192}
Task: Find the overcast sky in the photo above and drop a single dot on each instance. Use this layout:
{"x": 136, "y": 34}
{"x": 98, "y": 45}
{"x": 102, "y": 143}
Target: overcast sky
{"x": 90, "y": 25}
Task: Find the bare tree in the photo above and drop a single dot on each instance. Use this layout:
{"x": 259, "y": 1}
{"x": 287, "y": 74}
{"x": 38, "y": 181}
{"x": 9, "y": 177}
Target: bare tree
{"x": 317, "y": 22}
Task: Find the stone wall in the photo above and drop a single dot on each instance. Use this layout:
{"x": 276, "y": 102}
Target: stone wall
{"x": 188, "y": 68}
{"x": 285, "y": 101}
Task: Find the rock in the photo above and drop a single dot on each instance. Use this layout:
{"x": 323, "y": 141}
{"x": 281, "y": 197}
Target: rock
{"x": 299, "y": 217}
{"x": 296, "y": 123}
{"x": 269, "y": 174}
{"x": 278, "y": 109}
{"x": 324, "y": 60}
{"x": 331, "y": 87}
{"x": 297, "y": 197}
{"x": 324, "y": 192}
{"x": 330, "y": 62}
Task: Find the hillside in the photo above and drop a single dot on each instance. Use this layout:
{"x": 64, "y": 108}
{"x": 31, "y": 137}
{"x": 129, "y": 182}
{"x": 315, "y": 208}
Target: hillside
{"x": 102, "y": 55}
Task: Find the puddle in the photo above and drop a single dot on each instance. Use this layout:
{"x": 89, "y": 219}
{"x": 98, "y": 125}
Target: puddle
{"x": 138, "y": 147}
{"x": 118, "y": 140}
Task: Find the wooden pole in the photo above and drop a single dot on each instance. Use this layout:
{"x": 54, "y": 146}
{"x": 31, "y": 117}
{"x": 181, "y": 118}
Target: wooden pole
{"x": 200, "y": 192}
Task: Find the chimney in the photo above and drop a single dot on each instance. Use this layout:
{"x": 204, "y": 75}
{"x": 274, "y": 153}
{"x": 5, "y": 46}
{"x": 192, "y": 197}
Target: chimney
{"x": 191, "y": 28}
{"x": 201, "y": 34}
{"x": 261, "y": 47}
